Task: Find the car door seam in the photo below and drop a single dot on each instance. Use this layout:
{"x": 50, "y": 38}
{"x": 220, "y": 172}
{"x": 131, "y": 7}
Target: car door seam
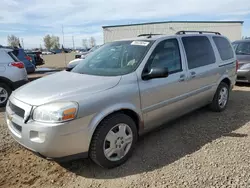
{"x": 178, "y": 98}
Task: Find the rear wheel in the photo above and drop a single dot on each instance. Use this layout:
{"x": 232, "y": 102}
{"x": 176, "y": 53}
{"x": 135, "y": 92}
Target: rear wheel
{"x": 113, "y": 140}
{"x": 221, "y": 97}
{"x": 5, "y": 92}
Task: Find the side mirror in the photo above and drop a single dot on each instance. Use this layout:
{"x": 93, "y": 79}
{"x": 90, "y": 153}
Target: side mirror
{"x": 156, "y": 73}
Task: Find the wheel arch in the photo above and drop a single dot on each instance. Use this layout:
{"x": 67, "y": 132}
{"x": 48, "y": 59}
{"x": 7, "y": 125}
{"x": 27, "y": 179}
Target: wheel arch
{"x": 226, "y": 80}
{"x": 6, "y": 81}
{"x": 127, "y": 109}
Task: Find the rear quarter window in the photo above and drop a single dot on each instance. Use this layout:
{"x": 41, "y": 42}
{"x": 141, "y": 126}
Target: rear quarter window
{"x": 224, "y": 48}
{"x": 15, "y": 59}
{"x": 199, "y": 51}
{"x": 5, "y": 57}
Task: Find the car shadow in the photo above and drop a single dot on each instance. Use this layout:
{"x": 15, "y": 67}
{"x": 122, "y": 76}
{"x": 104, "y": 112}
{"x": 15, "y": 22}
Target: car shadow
{"x": 175, "y": 140}
{"x": 242, "y": 84}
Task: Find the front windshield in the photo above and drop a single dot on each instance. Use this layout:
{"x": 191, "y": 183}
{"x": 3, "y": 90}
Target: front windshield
{"x": 113, "y": 59}
{"x": 243, "y": 48}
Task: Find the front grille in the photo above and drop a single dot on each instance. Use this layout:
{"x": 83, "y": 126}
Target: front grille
{"x": 18, "y": 111}
{"x": 17, "y": 127}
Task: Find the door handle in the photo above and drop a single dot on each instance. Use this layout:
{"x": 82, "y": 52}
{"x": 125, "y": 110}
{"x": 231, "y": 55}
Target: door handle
{"x": 193, "y": 74}
{"x": 182, "y": 78}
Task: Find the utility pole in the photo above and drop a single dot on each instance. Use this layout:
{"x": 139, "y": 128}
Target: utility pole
{"x": 73, "y": 41}
{"x": 64, "y": 47}
{"x": 63, "y": 35}
{"x": 22, "y": 43}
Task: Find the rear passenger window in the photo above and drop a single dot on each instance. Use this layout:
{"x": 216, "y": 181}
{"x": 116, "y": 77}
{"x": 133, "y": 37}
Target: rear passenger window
{"x": 224, "y": 48}
{"x": 199, "y": 51}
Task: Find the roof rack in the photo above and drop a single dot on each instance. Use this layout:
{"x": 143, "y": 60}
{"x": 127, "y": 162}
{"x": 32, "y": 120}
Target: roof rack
{"x": 147, "y": 35}
{"x": 200, "y": 32}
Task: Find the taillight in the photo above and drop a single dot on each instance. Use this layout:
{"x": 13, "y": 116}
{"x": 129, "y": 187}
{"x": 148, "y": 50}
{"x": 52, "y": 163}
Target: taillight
{"x": 28, "y": 58}
{"x": 19, "y": 65}
{"x": 237, "y": 65}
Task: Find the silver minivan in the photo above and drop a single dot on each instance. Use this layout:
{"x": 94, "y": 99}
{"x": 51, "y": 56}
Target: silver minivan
{"x": 122, "y": 90}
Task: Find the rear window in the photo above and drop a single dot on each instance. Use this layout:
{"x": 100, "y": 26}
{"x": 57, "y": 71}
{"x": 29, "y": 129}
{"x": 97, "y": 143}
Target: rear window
{"x": 243, "y": 48}
{"x": 224, "y": 48}
{"x": 15, "y": 59}
{"x": 199, "y": 51}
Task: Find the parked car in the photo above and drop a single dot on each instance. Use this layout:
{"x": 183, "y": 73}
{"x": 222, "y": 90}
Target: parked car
{"x": 242, "y": 50}
{"x": 124, "y": 89}
{"x": 83, "y": 55}
{"x": 32, "y": 59}
{"x": 37, "y": 57}
{"x": 80, "y": 58}
{"x": 12, "y": 74}
{"x": 23, "y": 57}
{"x": 47, "y": 53}
{"x": 73, "y": 63}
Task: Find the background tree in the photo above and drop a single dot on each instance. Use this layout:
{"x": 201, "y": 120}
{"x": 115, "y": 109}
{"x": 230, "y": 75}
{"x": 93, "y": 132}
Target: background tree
{"x": 92, "y": 42}
{"x": 47, "y": 42}
{"x": 13, "y": 41}
{"x": 51, "y": 42}
{"x": 55, "y": 42}
{"x": 85, "y": 43}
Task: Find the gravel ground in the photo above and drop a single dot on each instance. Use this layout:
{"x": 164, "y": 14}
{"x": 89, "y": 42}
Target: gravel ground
{"x": 58, "y": 60}
{"x": 201, "y": 149}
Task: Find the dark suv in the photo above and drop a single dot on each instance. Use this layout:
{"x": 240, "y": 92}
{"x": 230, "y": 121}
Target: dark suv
{"x": 37, "y": 57}
{"x": 23, "y": 57}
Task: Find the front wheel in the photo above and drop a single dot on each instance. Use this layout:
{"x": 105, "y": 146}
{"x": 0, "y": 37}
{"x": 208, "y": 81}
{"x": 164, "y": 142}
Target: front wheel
{"x": 221, "y": 97}
{"x": 5, "y": 92}
{"x": 113, "y": 140}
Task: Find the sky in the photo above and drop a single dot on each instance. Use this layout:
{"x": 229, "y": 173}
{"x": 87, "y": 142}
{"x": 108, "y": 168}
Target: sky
{"x": 31, "y": 20}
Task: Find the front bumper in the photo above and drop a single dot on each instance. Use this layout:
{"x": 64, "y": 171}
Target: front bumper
{"x": 53, "y": 141}
{"x": 243, "y": 76}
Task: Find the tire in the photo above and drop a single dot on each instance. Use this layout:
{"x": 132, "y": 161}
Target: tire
{"x": 4, "y": 89}
{"x": 100, "y": 140}
{"x": 216, "y": 106}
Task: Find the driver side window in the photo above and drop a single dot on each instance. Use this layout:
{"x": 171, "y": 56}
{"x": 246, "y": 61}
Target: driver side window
{"x": 166, "y": 55}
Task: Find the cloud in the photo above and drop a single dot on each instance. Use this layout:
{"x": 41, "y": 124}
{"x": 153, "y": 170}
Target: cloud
{"x": 83, "y": 18}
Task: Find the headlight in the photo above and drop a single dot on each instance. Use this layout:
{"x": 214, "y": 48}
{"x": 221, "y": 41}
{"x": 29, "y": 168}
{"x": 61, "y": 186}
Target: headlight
{"x": 245, "y": 66}
{"x": 55, "y": 112}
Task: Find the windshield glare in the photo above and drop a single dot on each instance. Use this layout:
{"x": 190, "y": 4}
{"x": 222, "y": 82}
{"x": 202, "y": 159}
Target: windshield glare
{"x": 113, "y": 59}
{"x": 243, "y": 48}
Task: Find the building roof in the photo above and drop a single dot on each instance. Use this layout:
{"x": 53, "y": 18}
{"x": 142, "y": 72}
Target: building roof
{"x": 147, "y": 23}
{"x": 241, "y": 41}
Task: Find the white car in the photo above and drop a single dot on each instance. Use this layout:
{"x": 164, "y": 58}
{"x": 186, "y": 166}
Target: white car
{"x": 73, "y": 63}
{"x": 47, "y": 53}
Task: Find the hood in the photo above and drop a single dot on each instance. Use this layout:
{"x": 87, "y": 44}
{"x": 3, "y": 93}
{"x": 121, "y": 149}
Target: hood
{"x": 62, "y": 85}
{"x": 243, "y": 58}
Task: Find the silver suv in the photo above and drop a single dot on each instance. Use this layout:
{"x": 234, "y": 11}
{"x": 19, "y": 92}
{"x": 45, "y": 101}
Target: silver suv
{"x": 12, "y": 74}
{"x": 122, "y": 90}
